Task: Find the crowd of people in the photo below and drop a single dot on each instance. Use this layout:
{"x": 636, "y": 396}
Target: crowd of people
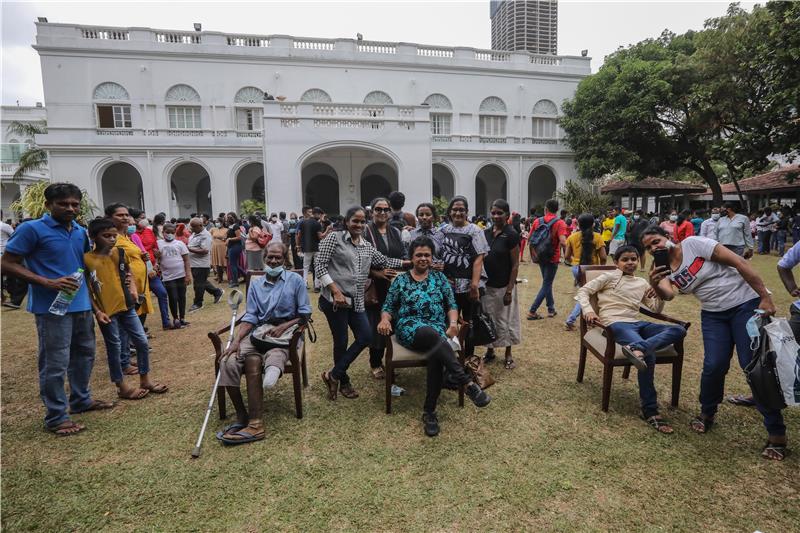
{"x": 382, "y": 273}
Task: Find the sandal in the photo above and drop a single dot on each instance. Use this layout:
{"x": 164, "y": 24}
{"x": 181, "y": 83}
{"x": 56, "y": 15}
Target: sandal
{"x": 659, "y": 424}
{"x": 552, "y": 314}
{"x": 510, "y": 364}
{"x": 701, "y": 424}
{"x": 241, "y": 437}
{"x": 135, "y": 394}
{"x": 774, "y": 451}
{"x": 569, "y": 327}
{"x": 331, "y": 385}
{"x": 534, "y": 316}
{"x": 378, "y": 373}
{"x": 156, "y": 388}
{"x": 348, "y": 391}
{"x": 741, "y": 400}
{"x": 66, "y": 428}
{"x": 96, "y": 405}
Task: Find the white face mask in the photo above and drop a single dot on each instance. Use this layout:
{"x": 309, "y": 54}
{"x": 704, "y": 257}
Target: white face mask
{"x": 635, "y": 217}
{"x": 714, "y": 216}
{"x": 169, "y": 237}
{"x": 673, "y": 218}
{"x": 669, "y": 244}
{"x": 218, "y": 224}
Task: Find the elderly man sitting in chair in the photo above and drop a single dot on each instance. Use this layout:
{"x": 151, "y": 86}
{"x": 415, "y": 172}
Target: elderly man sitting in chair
{"x": 277, "y": 304}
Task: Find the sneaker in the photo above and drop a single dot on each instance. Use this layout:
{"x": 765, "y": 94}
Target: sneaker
{"x": 184, "y": 323}
{"x": 431, "y": 424}
{"x": 218, "y": 296}
{"x": 195, "y": 307}
{"x": 478, "y": 396}
{"x": 637, "y": 361}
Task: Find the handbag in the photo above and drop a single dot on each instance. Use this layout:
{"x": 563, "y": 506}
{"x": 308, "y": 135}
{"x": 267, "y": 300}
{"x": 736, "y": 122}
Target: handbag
{"x": 123, "y": 279}
{"x": 787, "y": 359}
{"x": 480, "y": 374}
{"x": 263, "y": 238}
{"x": 483, "y": 330}
{"x": 370, "y": 293}
{"x": 762, "y": 376}
{"x": 263, "y": 340}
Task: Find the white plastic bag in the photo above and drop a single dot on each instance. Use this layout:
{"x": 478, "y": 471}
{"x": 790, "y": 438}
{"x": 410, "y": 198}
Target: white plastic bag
{"x": 787, "y": 359}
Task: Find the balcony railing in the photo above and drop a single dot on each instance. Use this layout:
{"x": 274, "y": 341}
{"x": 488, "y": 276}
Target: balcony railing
{"x": 177, "y": 38}
{"x": 112, "y": 35}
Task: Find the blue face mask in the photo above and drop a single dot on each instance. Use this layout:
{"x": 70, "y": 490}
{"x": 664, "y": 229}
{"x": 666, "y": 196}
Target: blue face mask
{"x": 131, "y": 229}
{"x": 273, "y": 272}
{"x": 752, "y": 328}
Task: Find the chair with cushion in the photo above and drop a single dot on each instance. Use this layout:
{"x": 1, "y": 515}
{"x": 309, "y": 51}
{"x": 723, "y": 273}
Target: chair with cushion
{"x": 296, "y": 365}
{"x": 600, "y": 341}
{"x": 398, "y": 356}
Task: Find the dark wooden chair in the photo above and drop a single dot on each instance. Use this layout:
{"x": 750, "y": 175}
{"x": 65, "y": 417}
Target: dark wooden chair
{"x": 600, "y": 341}
{"x": 398, "y": 356}
{"x": 296, "y": 366}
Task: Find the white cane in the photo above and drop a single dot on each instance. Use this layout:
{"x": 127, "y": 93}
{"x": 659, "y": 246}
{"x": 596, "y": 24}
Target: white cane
{"x": 234, "y": 299}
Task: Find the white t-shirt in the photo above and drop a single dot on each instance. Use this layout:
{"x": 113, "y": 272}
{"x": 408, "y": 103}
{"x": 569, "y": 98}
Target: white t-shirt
{"x": 5, "y": 233}
{"x": 172, "y": 259}
{"x": 717, "y": 286}
{"x": 203, "y": 241}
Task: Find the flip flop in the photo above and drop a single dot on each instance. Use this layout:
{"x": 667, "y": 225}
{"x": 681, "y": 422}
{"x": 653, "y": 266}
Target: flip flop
{"x": 741, "y": 400}
{"x": 779, "y": 451}
{"x": 68, "y": 424}
{"x": 143, "y": 393}
{"x": 96, "y": 405}
{"x": 534, "y": 316}
{"x": 246, "y": 437}
{"x": 226, "y": 429}
{"x": 158, "y": 388}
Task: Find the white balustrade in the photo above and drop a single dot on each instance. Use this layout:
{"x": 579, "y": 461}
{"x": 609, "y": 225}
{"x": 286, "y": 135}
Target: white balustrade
{"x": 177, "y": 38}
{"x": 111, "y": 35}
{"x": 314, "y": 44}
{"x": 114, "y": 132}
{"x": 435, "y": 51}
{"x": 376, "y": 47}
{"x": 248, "y": 40}
{"x": 545, "y": 60}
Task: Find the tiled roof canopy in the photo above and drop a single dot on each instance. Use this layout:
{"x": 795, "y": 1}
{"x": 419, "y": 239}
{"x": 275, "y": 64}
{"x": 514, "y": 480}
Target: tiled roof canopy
{"x": 652, "y": 185}
{"x": 776, "y": 180}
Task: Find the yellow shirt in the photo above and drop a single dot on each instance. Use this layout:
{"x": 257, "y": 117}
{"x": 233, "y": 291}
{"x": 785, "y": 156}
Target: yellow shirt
{"x": 608, "y": 227}
{"x": 575, "y": 241}
{"x": 618, "y": 297}
{"x": 138, "y": 271}
{"x": 103, "y": 276}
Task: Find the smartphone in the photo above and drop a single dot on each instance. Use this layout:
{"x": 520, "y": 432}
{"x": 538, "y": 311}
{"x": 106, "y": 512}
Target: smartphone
{"x": 661, "y": 258}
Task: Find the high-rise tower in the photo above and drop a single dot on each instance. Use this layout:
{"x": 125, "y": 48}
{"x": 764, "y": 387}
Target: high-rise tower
{"x": 530, "y": 25}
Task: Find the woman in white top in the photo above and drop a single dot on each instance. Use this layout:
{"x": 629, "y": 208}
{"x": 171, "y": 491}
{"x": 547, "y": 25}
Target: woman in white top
{"x": 730, "y": 292}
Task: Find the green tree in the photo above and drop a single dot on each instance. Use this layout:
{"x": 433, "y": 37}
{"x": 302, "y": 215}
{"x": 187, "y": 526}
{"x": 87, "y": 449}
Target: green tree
{"x": 577, "y": 199}
{"x": 31, "y": 202}
{"x": 248, "y": 207}
{"x": 34, "y": 158}
{"x": 692, "y": 102}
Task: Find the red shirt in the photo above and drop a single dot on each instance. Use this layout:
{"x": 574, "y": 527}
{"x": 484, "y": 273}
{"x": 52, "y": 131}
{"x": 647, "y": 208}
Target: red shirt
{"x": 148, "y": 241}
{"x": 556, "y": 231}
{"x": 683, "y": 230}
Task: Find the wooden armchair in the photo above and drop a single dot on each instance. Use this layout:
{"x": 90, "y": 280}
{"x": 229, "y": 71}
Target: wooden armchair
{"x": 296, "y": 366}
{"x": 600, "y": 341}
{"x": 398, "y": 356}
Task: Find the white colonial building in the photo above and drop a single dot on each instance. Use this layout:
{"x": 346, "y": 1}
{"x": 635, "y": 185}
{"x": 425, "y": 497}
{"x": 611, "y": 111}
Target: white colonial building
{"x": 185, "y": 122}
{"x": 11, "y": 148}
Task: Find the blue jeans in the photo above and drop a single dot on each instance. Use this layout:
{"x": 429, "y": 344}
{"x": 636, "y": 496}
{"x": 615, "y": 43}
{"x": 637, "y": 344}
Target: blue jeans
{"x": 647, "y": 337}
{"x": 576, "y": 311}
{"x": 339, "y": 320}
{"x": 158, "y": 289}
{"x": 780, "y": 241}
{"x": 128, "y": 322}
{"x": 66, "y": 345}
{"x": 722, "y": 330}
{"x": 234, "y": 252}
{"x": 546, "y": 292}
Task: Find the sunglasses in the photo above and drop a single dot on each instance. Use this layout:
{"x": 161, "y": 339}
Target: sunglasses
{"x": 381, "y": 210}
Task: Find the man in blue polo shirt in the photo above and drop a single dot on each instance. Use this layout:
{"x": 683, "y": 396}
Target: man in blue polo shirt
{"x": 52, "y": 248}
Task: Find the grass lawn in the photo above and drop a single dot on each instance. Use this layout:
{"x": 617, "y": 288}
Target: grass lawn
{"x": 542, "y": 456}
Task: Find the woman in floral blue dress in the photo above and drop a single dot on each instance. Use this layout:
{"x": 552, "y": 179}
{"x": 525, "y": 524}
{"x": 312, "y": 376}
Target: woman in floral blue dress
{"x": 423, "y": 308}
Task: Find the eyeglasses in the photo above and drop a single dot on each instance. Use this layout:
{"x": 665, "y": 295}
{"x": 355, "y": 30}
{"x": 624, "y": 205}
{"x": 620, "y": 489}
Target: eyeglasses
{"x": 381, "y": 210}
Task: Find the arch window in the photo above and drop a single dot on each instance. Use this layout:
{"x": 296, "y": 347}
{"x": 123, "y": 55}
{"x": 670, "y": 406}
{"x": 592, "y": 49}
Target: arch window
{"x": 248, "y": 116}
{"x": 112, "y": 106}
{"x": 316, "y": 95}
{"x": 492, "y": 117}
{"x": 545, "y": 120}
{"x": 441, "y": 113}
{"x": 183, "y": 108}
{"x": 378, "y": 98}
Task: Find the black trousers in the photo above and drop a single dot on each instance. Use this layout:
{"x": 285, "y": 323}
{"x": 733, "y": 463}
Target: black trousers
{"x": 201, "y": 284}
{"x": 176, "y": 293}
{"x": 441, "y": 358}
{"x": 468, "y": 308}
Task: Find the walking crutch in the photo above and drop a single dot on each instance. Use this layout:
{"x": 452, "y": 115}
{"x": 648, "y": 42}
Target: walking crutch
{"x": 234, "y": 299}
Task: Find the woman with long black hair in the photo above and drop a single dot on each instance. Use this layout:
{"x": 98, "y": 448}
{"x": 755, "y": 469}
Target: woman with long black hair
{"x": 584, "y": 247}
{"x": 235, "y": 244}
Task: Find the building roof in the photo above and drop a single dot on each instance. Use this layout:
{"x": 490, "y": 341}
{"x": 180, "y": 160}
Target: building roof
{"x": 776, "y": 180}
{"x": 653, "y": 185}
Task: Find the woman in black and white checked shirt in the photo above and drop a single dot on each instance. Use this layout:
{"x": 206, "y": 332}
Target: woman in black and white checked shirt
{"x": 342, "y": 265}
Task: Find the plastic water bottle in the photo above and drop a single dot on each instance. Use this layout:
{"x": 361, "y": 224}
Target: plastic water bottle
{"x": 397, "y": 391}
{"x": 64, "y": 298}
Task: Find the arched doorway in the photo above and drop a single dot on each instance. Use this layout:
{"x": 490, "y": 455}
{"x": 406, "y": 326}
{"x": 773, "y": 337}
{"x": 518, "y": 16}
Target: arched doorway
{"x": 321, "y": 187}
{"x": 443, "y": 182}
{"x": 121, "y": 183}
{"x": 541, "y": 187}
{"x": 490, "y": 184}
{"x": 191, "y": 190}
{"x": 250, "y": 183}
{"x": 378, "y": 179}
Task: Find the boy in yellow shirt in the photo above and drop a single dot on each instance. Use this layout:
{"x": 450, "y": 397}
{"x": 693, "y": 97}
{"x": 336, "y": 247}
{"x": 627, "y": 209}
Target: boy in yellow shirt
{"x": 114, "y": 296}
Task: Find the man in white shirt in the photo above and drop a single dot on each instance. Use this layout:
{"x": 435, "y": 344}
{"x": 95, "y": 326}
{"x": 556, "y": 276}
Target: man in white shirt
{"x": 200, "y": 263}
{"x": 275, "y": 227}
{"x": 709, "y": 226}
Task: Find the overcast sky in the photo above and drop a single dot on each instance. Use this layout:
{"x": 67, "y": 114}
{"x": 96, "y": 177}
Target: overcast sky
{"x": 601, "y": 27}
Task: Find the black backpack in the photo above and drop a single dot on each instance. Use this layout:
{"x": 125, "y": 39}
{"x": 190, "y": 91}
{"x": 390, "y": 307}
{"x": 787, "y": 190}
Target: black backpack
{"x": 397, "y": 220}
{"x": 541, "y": 241}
